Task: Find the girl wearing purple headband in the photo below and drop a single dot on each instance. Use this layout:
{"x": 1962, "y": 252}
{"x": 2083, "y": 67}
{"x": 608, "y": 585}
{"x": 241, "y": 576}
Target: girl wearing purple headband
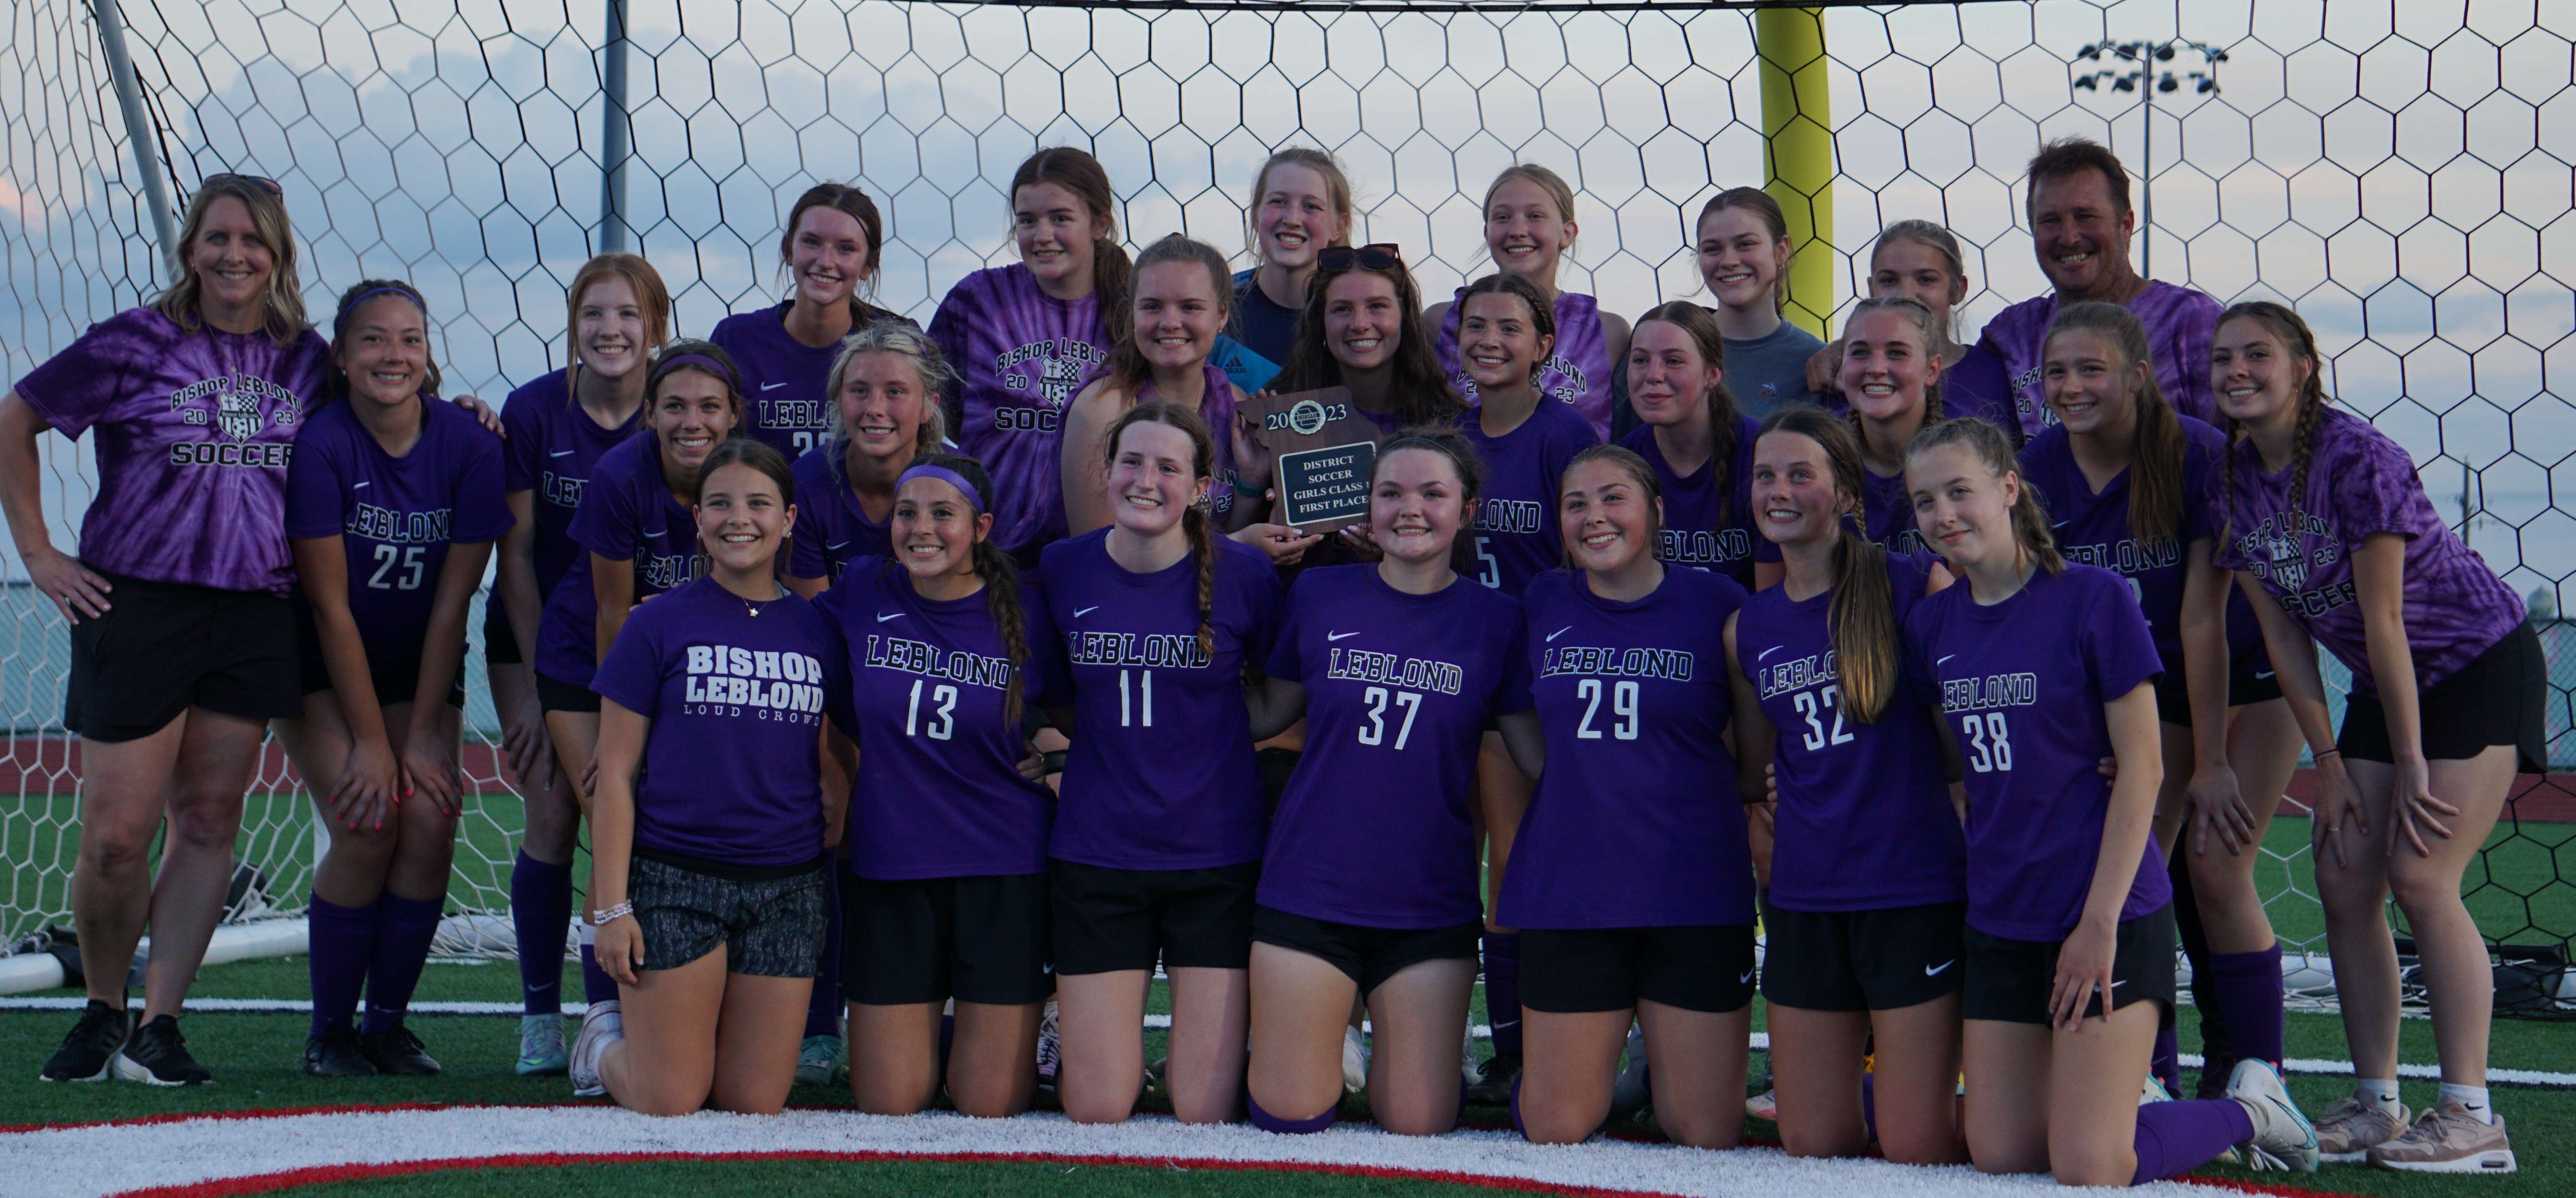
{"x": 946, "y": 891}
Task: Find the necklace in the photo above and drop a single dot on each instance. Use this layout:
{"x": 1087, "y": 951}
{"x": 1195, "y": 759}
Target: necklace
{"x": 754, "y": 608}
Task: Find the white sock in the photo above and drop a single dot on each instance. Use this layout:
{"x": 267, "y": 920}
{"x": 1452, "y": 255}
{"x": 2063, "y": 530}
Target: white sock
{"x": 2379, "y": 1094}
{"x": 2471, "y": 1099}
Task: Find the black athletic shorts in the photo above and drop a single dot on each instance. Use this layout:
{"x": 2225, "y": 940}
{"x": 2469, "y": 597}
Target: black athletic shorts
{"x": 1369, "y": 955}
{"x": 398, "y": 683}
{"x": 1697, "y": 968}
{"x": 2010, "y": 980}
{"x": 500, "y": 641}
{"x": 1112, "y": 919}
{"x": 1862, "y": 960}
{"x": 927, "y": 940}
{"x": 164, "y": 647}
{"x": 557, "y": 695}
{"x": 2250, "y": 680}
{"x": 769, "y": 921}
{"x": 2500, "y": 698}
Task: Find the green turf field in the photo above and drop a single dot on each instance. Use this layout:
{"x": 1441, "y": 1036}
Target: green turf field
{"x": 875, "y": 1180}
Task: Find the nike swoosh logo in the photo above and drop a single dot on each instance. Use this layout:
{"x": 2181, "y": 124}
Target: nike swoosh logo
{"x": 2061, "y": 524}
{"x": 834, "y": 544}
{"x": 1930, "y": 970}
{"x": 1945, "y": 659}
{"x": 1507, "y": 1023}
{"x": 563, "y": 453}
{"x": 771, "y": 386}
{"x": 359, "y": 487}
{"x": 1766, "y": 653}
{"x": 1560, "y": 632}
{"x": 2263, "y": 673}
{"x": 655, "y": 533}
{"x": 1747, "y": 979}
{"x": 884, "y": 616}
{"x": 1335, "y": 636}
{"x": 1080, "y": 612}
{"x": 2122, "y": 982}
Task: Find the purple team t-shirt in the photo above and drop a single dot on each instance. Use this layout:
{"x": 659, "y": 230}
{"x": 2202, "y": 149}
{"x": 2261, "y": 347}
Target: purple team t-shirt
{"x": 1161, "y": 773}
{"x": 782, "y": 377}
{"x": 1217, "y": 408}
{"x": 627, "y": 514}
{"x": 1887, "y": 513}
{"x": 939, "y": 792}
{"x": 1577, "y": 371}
{"x": 1708, "y": 524}
{"x": 1636, "y": 821}
{"x": 732, "y": 762}
{"x": 832, "y": 530}
{"x": 549, "y": 447}
{"x": 1375, "y": 828}
{"x": 2300, "y": 548}
{"x": 1978, "y": 385}
{"x": 2093, "y": 527}
{"x": 1865, "y": 821}
{"x": 1021, "y": 355}
{"x": 194, "y": 434}
{"x": 1515, "y": 535}
{"x": 2180, "y": 324}
{"x": 395, "y": 516}
{"x": 2022, "y": 684}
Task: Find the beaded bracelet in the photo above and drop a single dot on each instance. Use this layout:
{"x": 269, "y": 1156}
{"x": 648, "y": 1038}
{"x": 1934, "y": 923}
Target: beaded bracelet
{"x": 611, "y": 915}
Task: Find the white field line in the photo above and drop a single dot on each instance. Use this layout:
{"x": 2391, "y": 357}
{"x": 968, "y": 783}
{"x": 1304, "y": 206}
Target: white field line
{"x": 2312, "y": 1066}
{"x": 115, "y": 1159}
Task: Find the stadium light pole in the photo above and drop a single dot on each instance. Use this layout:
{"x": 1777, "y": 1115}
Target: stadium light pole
{"x": 151, "y": 176}
{"x": 2147, "y": 79}
{"x": 614, "y": 133}
{"x": 1798, "y": 146}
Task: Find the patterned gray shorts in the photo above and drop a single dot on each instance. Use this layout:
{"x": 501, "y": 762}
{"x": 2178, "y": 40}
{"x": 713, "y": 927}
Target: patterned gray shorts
{"x": 771, "y": 928}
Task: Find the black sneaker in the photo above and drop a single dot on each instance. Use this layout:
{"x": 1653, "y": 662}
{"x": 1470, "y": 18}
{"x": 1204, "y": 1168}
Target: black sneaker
{"x": 86, "y": 1052}
{"x": 156, "y": 1055}
{"x": 397, "y": 1052}
{"x": 335, "y": 1053}
{"x": 1494, "y": 1078}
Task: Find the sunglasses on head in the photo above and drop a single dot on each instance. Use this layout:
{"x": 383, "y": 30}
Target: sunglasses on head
{"x": 1383, "y": 255}
{"x": 261, "y": 182}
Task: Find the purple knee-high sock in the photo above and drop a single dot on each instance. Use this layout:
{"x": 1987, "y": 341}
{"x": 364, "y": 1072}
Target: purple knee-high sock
{"x": 947, "y": 1040}
{"x": 1288, "y": 1127}
{"x": 596, "y": 985}
{"x": 541, "y": 915}
{"x": 341, "y": 940}
{"x": 2174, "y": 1138}
{"x": 823, "y": 1008}
{"x": 2248, "y": 991}
{"x": 1503, "y": 989}
{"x": 1516, "y": 1109}
{"x": 404, "y": 930}
{"x": 1869, "y": 1103}
{"x": 2167, "y": 1062}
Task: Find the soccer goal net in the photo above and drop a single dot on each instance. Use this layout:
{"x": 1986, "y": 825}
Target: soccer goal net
{"x": 2399, "y": 171}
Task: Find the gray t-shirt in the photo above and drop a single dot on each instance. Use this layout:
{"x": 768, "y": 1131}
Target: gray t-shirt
{"x": 1769, "y": 373}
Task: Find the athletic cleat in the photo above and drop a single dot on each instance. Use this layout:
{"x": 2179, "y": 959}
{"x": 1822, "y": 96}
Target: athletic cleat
{"x": 396, "y": 1052}
{"x": 2283, "y": 1137}
{"x": 1633, "y": 1094}
{"x": 601, "y": 1026}
{"x": 86, "y": 1053}
{"x": 156, "y": 1055}
{"x": 335, "y": 1053}
{"x": 2351, "y": 1128}
{"x": 541, "y": 1045}
{"x": 1765, "y": 1105}
{"x": 1050, "y": 1049}
{"x": 2154, "y": 1092}
{"x": 819, "y": 1061}
{"x": 1355, "y": 1061}
{"x": 2449, "y": 1140}
{"x": 1494, "y": 1079}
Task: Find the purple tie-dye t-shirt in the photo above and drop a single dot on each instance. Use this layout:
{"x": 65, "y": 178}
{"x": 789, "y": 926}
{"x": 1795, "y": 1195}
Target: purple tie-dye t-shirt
{"x": 2359, "y": 482}
{"x": 2180, "y": 324}
{"x": 1021, "y": 355}
{"x": 1577, "y": 372}
{"x": 1217, "y": 408}
{"x": 194, "y": 434}
{"x": 2023, "y": 684}
{"x": 782, "y": 377}
{"x": 395, "y": 516}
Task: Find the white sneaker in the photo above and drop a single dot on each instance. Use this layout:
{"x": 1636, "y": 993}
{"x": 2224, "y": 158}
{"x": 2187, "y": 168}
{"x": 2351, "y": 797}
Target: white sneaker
{"x": 601, "y": 1026}
{"x": 1355, "y": 1061}
{"x": 1050, "y": 1049}
{"x": 1633, "y": 1092}
{"x": 2283, "y": 1137}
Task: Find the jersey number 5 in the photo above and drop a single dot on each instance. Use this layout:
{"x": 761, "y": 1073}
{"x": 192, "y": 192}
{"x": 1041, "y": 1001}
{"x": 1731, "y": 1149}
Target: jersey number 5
{"x": 1623, "y": 704}
{"x": 1817, "y": 737}
{"x": 1991, "y": 742}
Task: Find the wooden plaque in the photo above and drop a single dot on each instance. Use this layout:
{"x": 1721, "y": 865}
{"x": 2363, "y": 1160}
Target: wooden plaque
{"x": 1321, "y": 451}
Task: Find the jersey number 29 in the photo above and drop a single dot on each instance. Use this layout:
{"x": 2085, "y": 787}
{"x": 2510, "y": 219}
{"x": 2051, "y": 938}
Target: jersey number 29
{"x": 1623, "y": 705}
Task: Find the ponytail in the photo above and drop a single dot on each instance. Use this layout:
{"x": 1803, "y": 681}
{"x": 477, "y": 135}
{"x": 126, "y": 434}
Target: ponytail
{"x": 2300, "y": 342}
{"x": 1994, "y": 450}
{"x": 1862, "y": 617}
{"x": 1194, "y": 521}
{"x": 1001, "y": 578}
{"x": 2156, "y": 499}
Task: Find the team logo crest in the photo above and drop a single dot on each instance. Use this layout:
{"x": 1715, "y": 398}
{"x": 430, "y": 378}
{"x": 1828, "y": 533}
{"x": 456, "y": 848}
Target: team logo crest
{"x": 238, "y": 415}
{"x": 1056, "y": 379}
{"x": 2289, "y": 564}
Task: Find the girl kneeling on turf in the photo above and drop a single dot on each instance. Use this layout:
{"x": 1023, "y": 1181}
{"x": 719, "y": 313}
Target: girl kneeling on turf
{"x": 1368, "y": 887}
{"x": 1632, "y": 878}
{"x": 707, "y": 870}
{"x": 2041, "y": 668}
{"x": 393, "y": 501}
{"x": 946, "y": 897}
{"x": 1868, "y": 879}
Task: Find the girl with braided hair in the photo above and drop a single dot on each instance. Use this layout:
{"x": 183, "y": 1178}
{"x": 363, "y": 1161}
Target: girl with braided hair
{"x": 1158, "y": 836}
{"x": 1892, "y": 380}
{"x": 946, "y": 891}
{"x": 2042, "y": 667}
{"x": 2332, "y": 538}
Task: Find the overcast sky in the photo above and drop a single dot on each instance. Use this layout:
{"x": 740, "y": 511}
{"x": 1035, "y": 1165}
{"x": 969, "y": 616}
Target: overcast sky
{"x": 2406, "y": 185}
